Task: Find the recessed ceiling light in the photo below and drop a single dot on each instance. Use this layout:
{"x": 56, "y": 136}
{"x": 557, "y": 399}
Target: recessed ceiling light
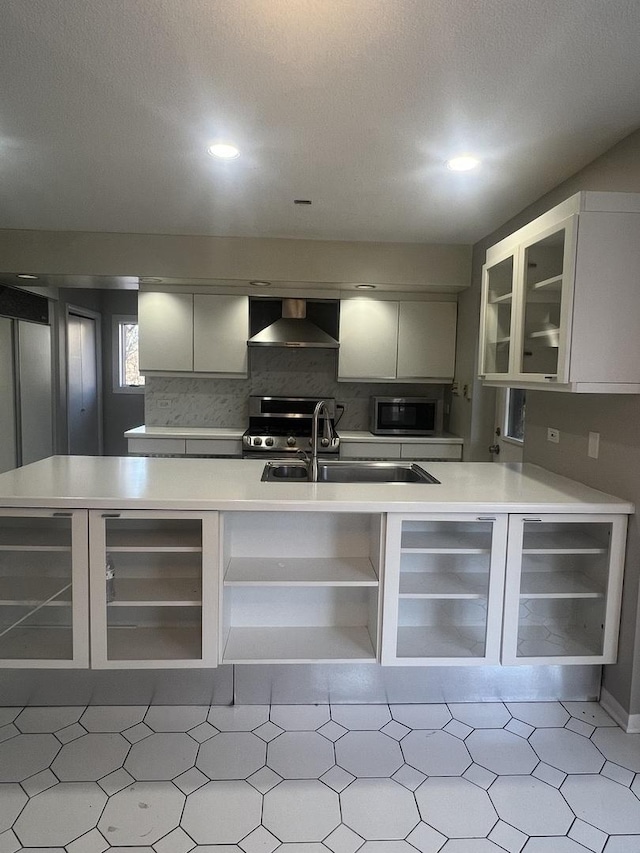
{"x": 260, "y": 283}
{"x": 464, "y": 163}
{"x": 26, "y": 275}
{"x": 365, "y": 287}
{"x": 224, "y": 150}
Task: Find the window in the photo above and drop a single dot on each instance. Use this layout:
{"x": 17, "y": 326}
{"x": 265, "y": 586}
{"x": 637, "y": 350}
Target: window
{"x": 126, "y": 374}
{"x": 514, "y": 425}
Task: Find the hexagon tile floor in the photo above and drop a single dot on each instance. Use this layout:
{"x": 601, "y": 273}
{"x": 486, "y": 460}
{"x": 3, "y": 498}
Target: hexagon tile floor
{"x": 545, "y": 777}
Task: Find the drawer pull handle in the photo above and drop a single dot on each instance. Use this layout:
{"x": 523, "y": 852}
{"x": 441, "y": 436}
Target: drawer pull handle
{"x": 532, "y": 519}
{"x": 111, "y": 515}
{"x": 62, "y": 514}
{"x": 486, "y": 518}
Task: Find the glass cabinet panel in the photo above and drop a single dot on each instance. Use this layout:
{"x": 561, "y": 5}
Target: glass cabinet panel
{"x": 43, "y": 619}
{"x": 542, "y": 298}
{"x": 498, "y": 317}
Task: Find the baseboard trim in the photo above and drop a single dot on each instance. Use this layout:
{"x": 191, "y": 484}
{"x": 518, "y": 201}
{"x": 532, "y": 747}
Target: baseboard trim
{"x": 629, "y": 722}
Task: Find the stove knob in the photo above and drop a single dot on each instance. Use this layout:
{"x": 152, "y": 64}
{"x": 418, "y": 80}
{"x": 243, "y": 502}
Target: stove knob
{"x": 269, "y": 441}
{"x": 291, "y": 440}
{"x": 324, "y": 442}
{"x": 257, "y": 440}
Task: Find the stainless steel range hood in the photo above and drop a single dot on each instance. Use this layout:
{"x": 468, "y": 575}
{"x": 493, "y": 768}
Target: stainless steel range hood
{"x": 293, "y": 330}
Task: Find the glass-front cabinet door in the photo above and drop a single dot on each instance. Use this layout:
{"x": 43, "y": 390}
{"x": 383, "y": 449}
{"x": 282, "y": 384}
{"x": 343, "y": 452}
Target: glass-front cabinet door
{"x": 43, "y": 588}
{"x": 444, "y": 577}
{"x": 563, "y": 589}
{"x": 154, "y": 589}
{"x": 547, "y": 291}
{"x": 498, "y": 317}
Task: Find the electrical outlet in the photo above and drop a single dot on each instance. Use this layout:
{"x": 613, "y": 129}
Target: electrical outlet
{"x": 553, "y": 435}
{"x": 593, "y": 448}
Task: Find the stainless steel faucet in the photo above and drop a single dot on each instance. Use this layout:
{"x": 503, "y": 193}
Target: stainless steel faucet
{"x": 327, "y": 436}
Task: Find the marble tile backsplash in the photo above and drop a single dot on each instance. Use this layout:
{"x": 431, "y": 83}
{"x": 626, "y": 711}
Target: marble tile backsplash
{"x": 278, "y": 372}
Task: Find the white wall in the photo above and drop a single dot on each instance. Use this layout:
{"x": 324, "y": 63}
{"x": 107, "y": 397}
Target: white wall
{"x": 617, "y": 418}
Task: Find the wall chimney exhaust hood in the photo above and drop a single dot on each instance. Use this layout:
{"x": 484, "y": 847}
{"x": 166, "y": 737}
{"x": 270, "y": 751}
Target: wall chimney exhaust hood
{"x": 293, "y": 329}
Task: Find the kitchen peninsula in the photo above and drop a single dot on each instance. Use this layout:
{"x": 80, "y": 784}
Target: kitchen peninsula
{"x": 494, "y": 564}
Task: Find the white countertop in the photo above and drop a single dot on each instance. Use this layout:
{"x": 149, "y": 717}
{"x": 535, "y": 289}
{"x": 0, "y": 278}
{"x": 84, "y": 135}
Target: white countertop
{"x": 236, "y": 432}
{"x": 101, "y": 482}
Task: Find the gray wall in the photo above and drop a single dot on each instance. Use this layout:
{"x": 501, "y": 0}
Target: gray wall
{"x": 119, "y": 411}
{"x": 616, "y": 418}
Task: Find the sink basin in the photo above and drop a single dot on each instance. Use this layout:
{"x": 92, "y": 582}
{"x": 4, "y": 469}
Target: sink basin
{"x": 348, "y": 472}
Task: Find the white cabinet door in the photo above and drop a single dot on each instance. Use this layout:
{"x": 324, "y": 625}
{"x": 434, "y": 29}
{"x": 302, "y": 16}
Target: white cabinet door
{"x": 166, "y": 331}
{"x": 220, "y": 332}
{"x": 163, "y": 606}
{"x": 368, "y": 339}
{"x": 427, "y": 340}
{"x": 443, "y": 586}
{"x": 44, "y": 588}
{"x": 563, "y": 589}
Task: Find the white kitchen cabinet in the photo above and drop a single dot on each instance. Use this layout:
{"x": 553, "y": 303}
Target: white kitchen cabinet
{"x": 44, "y": 588}
{"x": 444, "y": 579}
{"x": 164, "y": 610}
{"x": 165, "y": 323}
{"x": 201, "y": 334}
{"x": 396, "y": 341}
{"x": 300, "y": 587}
{"x": 560, "y": 299}
{"x": 563, "y": 589}
{"x": 416, "y": 451}
{"x": 220, "y": 332}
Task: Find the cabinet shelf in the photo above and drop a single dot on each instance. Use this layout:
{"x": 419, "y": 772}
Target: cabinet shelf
{"x": 444, "y": 585}
{"x": 551, "y": 284}
{"x": 557, "y": 641}
{"x": 445, "y": 543}
{"x": 442, "y": 641}
{"x": 37, "y": 643}
{"x": 157, "y": 592}
{"x": 299, "y": 645}
{"x": 28, "y": 539}
{"x": 558, "y": 585}
{"x": 169, "y": 541}
{"x": 561, "y": 542}
{"x": 154, "y": 643}
{"x": 497, "y": 300}
{"x": 33, "y": 591}
{"x": 300, "y": 571}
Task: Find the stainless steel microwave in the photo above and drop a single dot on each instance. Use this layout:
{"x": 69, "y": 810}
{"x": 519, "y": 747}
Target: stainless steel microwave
{"x": 406, "y": 416}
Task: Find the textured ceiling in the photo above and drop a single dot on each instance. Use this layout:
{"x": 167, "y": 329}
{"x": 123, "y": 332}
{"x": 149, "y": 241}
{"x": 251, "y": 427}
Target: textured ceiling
{"x": 107, "y": 107}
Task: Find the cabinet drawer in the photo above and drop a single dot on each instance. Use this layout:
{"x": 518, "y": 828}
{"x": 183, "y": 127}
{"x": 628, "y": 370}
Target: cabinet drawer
{"x": 147, "y": 446}
{"x": 370, "y": 450}
{"x": 424, "y": 450}
{"x": 214, "y": 447}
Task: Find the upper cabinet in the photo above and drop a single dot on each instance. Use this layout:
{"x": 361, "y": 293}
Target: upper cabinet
{"x": 560, "y": 300}
{"x": 193, "y": 333}
{"x": 396, "y": 341}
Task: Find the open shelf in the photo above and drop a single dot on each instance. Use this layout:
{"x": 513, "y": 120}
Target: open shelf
{"x": 32, "y": 591}
{"x": 446, "y": 543}
{"x": 299, "y": 645}
{"x": 300, "y": 571}
{"x": 154, "y": 643}
{"x": 157, "y": 592}
{"x": 37, "y": 643}
{"x": 552, "y": 284}
{"x": 558, "y": 585}
{"x": 561, "y": 542}
{"x": 36, "y": 539}
{"x": 443, "y": 585}
{"x": 441, "y": 641}
{"x": 150, "y": 540}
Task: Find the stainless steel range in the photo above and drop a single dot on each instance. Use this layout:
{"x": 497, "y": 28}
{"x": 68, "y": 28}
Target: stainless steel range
{"x": 281, "y": 426}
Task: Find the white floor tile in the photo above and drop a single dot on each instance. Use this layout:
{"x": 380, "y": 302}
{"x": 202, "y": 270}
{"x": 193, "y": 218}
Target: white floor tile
{"x": 426, "y": 839}
{"x": 379, "y": 809}
{"x": 550, "y": 775}
{"x": 617, "y": 773}
{"x": 231, "y": 755}
{"x": 458, "y": 729}
{"x": 480, "y": 776}
{"x": 603, "y": 803}
{"x": 8, "y": 842}
{"x": 511, "y": 839}
{"x": 238, "y": 718}
{"x": 268, "y": 731}
{"x": 8, "y": 731}
{"x": 556, "y": 845}
{"x": 8, "y": 715}
{"x": 481, "y": 715}
{"x": 92, "y": 842}
{"x": 175, "y": 842}
{"x": 361, "y": 717}
{"x": 60, "y": 815}
{"x": 343, "y": 840}
{"x": 161, "y": 756}
{"x": 38, "y": 720}
{"x": 112, "y": 718}
{"x": 587, "y": 835}
{"x": 337, "y": 778}
{"x": 175, "y": 718}
{"x": 116, "y": 781}
{"x": 619, "y": 747}
{"x": 26, "y": 755}
{"x": 264, "y": 780}
{"x": 471, "y": 845}
{"x": 12, "y": 801}
{"x": 301, "y": 810}
{"x": 259, "y": 841}
{"x": 143, "y": 813}
{"x": 622, "y": 844}
{"x": 514, "y": 796}
{"x": 91, "y": 757}
{"x": 455, "y": 807}
{"x": 539, "y": 714}
{"x": 590, "y": 712}
{"x": 38, "y": 783}
{"x": 137, "y": 733}
{"x": 409, "y": 777}
{"x": 72, "y": 732}
{"x": 501, "y": 752}
{"x": 222, "y": 812}
{"x": 203, "y": 732}
{"x": 300, "y": 755}
{"x": 367, "y": 754}
{"x": 517, "y": 727}
{"x": 580, "y": 727}
{"x": 435, "y": 753}
{"x": 567, "y": 751}
{"x": 421, "y": 716}
{"x": 332, "y": 731}
{"x": 300, "y": 717}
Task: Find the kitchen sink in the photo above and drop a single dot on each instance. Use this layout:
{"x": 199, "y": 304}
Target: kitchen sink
{"x": 348, "y": 472}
